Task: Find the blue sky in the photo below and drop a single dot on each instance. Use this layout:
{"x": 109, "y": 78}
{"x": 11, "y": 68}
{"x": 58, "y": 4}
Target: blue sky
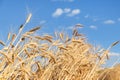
{"x": 101, "y": 18}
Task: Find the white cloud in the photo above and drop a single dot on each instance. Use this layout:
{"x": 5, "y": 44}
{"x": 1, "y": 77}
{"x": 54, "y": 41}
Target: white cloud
{"x": 93, "y": 27}
{"x": 67, "y": 10}
{"x": 109, "y": 22}
{"x": 74, "y": 12}
{"x": 58, "y": 12}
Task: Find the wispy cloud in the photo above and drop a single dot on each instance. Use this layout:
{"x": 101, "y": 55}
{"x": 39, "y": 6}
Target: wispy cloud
{"x": 93, "y": 27}
{"x": 74, "y": 12}
{"x": 67, "y": 11}
{"x": 58, "y": 12}
{"x": 95, "y": 19}
{"x": 63, "y": 0}
{"x": 109, "y": 22}
{"x": 70, "y": 27}
{"x": 118, "y": 19}
{"x": 70, "y": 0}
{"x": 43, "y": 22}
{"x": 86, "y": 16}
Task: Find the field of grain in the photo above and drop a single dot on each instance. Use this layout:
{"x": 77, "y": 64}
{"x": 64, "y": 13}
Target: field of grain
{"x": 53, "y": 57}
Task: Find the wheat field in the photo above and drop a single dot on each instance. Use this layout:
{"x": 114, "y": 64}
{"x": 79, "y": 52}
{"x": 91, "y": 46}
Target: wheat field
{"x": 53, "y": 57}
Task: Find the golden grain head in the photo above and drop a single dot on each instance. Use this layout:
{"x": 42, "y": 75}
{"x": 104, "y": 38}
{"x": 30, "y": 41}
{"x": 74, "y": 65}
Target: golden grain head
{"x": 48, "y": 36}
{"x": 8, "y": 37}
{"x": 39, "y": 37}
{"x": 13, "y": 37}
{"x": 28, "y": 17}
{"x": 47, "y": 57}
{"x": 2, "y": 43}
{"x": 21, "y": 27}
{"x": 115, "y": 43}
{"x": 34, "y": 29}
{"x": 61, "y": 35}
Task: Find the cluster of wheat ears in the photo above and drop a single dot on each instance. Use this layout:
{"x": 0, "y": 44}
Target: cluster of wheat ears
{"x": 33, "y": 57}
